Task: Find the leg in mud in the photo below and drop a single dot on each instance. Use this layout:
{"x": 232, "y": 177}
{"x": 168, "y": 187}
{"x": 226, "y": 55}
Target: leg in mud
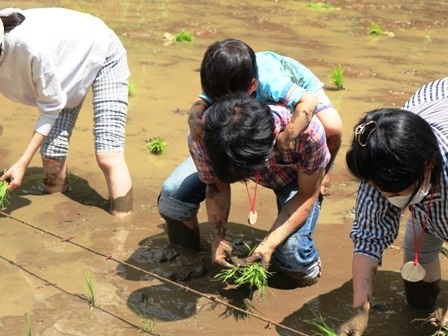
{"x": 55, "y": 175}
{"x": 178, "y": 203}
{"x": 118, "y": 181}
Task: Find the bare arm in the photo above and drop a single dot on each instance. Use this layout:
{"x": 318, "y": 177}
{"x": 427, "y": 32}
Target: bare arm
{"x": 364, "y": 271}
{"x": 17, "y": 170}
{"x": 291, "y": 218}
{"x": 218, "y": 207}
{"x": 195, "y": 119}
{"x": 300, "y": 120}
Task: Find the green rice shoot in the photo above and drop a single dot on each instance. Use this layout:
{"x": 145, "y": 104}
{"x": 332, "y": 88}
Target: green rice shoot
{"x": 131, "y": 88}
{"x": 320, "y": 6}
{"x": 322, "y": 327}
{"x": 337, "y": 76}
{"x": 184, "y": 36}
{"x": 156, "y": 146}
{"x": 255, "y": 275}
{"x": 4, "y": 193}
{"x": 29, "y": 329}
{"x": 89, "y": 286}
{"x": 376, "y": 29}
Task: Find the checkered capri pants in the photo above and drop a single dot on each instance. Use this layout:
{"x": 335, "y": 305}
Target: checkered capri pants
{"x": 110, "y": 104}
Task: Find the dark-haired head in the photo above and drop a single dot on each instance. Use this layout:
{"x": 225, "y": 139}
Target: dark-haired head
{"x": 238, "y": 136}
{"x": 393, "y": 149}
{"x": 228, "y": 66}
{"x": 9, "y": 22}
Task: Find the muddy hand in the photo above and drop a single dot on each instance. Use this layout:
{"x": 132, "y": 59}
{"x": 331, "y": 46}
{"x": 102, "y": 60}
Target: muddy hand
{"x": 357, "y": 324}
{"x": 257, "y": 257}
{"x": 284, "y": 142}
{"x": 222, "y": 254}
{"x": 325, "y": 187}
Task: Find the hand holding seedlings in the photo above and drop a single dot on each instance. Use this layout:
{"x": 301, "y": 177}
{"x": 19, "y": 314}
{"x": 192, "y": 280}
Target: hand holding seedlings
{"x": 4, "y": 193}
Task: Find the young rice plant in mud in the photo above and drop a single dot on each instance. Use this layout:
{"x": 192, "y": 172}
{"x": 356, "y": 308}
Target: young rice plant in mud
{"x": 148, "y": 324}
{"x": 337, "y": 76}
{"x": 322, "y": 328}
{"x": 182, "y": 36}
{"x": 89, "y": 286}
{"x": 320, "y": 6}
{"x": 377, "y": 30}
{"x": 131, "y": 88}
{"x": 255, "y": 275}
{"x": 4, "y": 193}
{"x": 155, "y": 146}
{"x": 28, "y": 325}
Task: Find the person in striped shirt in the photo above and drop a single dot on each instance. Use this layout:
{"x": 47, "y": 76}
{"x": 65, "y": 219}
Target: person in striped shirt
{"x": 400, "y": 157}
{"x": 238, "y": 145}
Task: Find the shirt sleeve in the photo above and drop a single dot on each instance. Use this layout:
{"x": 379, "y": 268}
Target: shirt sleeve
{"x": 376, "y": 223}
{"x": 50, "y": 97}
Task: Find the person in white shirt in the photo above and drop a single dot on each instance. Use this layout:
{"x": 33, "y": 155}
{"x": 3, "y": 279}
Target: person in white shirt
{"x": 50, "y": 58}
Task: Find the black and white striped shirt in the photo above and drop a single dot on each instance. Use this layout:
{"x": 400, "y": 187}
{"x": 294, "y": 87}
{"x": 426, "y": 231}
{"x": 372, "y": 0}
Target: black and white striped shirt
{"x": 377, "y": 221}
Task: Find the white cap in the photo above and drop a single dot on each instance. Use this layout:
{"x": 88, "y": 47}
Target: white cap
{"x": 2, "y": 32}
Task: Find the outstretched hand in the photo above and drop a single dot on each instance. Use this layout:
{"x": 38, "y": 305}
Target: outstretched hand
{"x": 357, "y": 324}
{"x": 261, "y": 255}
{"x": 222, "y": 255}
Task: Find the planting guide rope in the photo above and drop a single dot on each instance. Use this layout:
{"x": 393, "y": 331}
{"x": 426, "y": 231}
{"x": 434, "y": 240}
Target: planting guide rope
{"x": 158, "y": 277}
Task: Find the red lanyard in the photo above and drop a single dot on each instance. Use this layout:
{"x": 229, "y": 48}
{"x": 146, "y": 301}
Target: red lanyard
{"x": 418, "y": 244}
{"x": 252, "y": 201}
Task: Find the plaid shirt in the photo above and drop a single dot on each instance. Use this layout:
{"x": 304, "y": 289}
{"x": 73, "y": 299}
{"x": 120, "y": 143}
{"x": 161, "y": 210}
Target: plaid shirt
{"x": 310, "y": 155}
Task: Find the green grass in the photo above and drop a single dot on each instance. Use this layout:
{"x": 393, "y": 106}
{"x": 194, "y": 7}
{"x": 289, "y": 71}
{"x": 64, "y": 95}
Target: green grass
{"x": 322, "y": 327}
{"x": 89, "y": 286}
{"x": 148, "y": 324}
{"x": 376, "y": 29}
{"x": 337, "y": 76}
{"x": 184, "y": 36}
{"x": 156, "y": 146}
{"x": 320, "y": 6}
{"x": 4, "y": 193}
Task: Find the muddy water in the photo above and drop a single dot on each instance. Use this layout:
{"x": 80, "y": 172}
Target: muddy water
{"x": 44, "y": 276}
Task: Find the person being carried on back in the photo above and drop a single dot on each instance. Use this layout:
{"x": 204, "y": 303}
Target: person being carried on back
{"x": 231, "y": 65}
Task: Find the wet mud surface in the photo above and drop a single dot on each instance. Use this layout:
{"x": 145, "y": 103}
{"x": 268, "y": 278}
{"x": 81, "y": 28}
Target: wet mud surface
{"x": 49, "y": 242}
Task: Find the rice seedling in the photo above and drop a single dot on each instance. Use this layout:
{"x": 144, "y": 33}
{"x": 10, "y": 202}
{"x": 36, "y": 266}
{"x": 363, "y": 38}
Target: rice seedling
{"x": 255, "y": 275}
{"x": 322, "y": 327}
{"x": 155, "y": 146}
{"x": 376, "y": 29}
{"x": 337, "y": 76}
{"x": 184, "y": 36}
{"x": 4, "y": 193}
{"x": 131, "y": 88}
{"x": 320, "y": 6}
{"x": 89, "y": 286}
{"x": 148, "y": 324}
{"x": 28, "y": 325}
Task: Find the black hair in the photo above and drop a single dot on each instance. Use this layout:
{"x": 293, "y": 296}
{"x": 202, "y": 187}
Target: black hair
{"x": 10, "y": 21}
{"x": 392, "y": 149}
{"x": 238, "y": 136}
{"x": 227, "y": 66}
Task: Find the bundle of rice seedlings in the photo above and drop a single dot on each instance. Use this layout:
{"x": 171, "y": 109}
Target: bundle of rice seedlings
{"x": 4, "y": 193}
{"x": 322, "y": 328}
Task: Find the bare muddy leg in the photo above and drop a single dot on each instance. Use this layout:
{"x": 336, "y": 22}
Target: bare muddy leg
{"x": 122, "y": 206}
{"x": 55, "y": 175}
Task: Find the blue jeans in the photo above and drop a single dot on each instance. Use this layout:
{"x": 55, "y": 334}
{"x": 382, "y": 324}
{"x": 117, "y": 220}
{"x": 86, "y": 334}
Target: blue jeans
{"x": 183, "y": 191}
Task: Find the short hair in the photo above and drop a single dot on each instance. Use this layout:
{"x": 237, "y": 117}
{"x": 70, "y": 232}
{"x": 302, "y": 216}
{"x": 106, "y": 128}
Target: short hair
{"x": 239, "y": 133}
{"x": 227, "y": 66}
{"x": 391, "y": 149}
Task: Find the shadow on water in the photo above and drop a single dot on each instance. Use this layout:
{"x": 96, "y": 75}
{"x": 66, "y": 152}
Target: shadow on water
{"x": 389, "y": 315}
{"x": 79, "y": 189}
{"x": 165, "y": 301}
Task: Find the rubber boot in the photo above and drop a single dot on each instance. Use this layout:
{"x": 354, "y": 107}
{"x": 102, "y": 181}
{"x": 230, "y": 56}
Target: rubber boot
{"x": 422, "y": 295}
{"x": 55, "y": 175}
{"x": 181, "y": 235}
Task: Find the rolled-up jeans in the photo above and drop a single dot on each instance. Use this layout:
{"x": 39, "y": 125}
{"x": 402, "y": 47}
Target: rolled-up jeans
{"x": 183, "y": 191}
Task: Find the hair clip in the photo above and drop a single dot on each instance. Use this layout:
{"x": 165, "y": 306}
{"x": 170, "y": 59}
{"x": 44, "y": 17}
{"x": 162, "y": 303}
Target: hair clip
{"x": 361, "y": 129}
